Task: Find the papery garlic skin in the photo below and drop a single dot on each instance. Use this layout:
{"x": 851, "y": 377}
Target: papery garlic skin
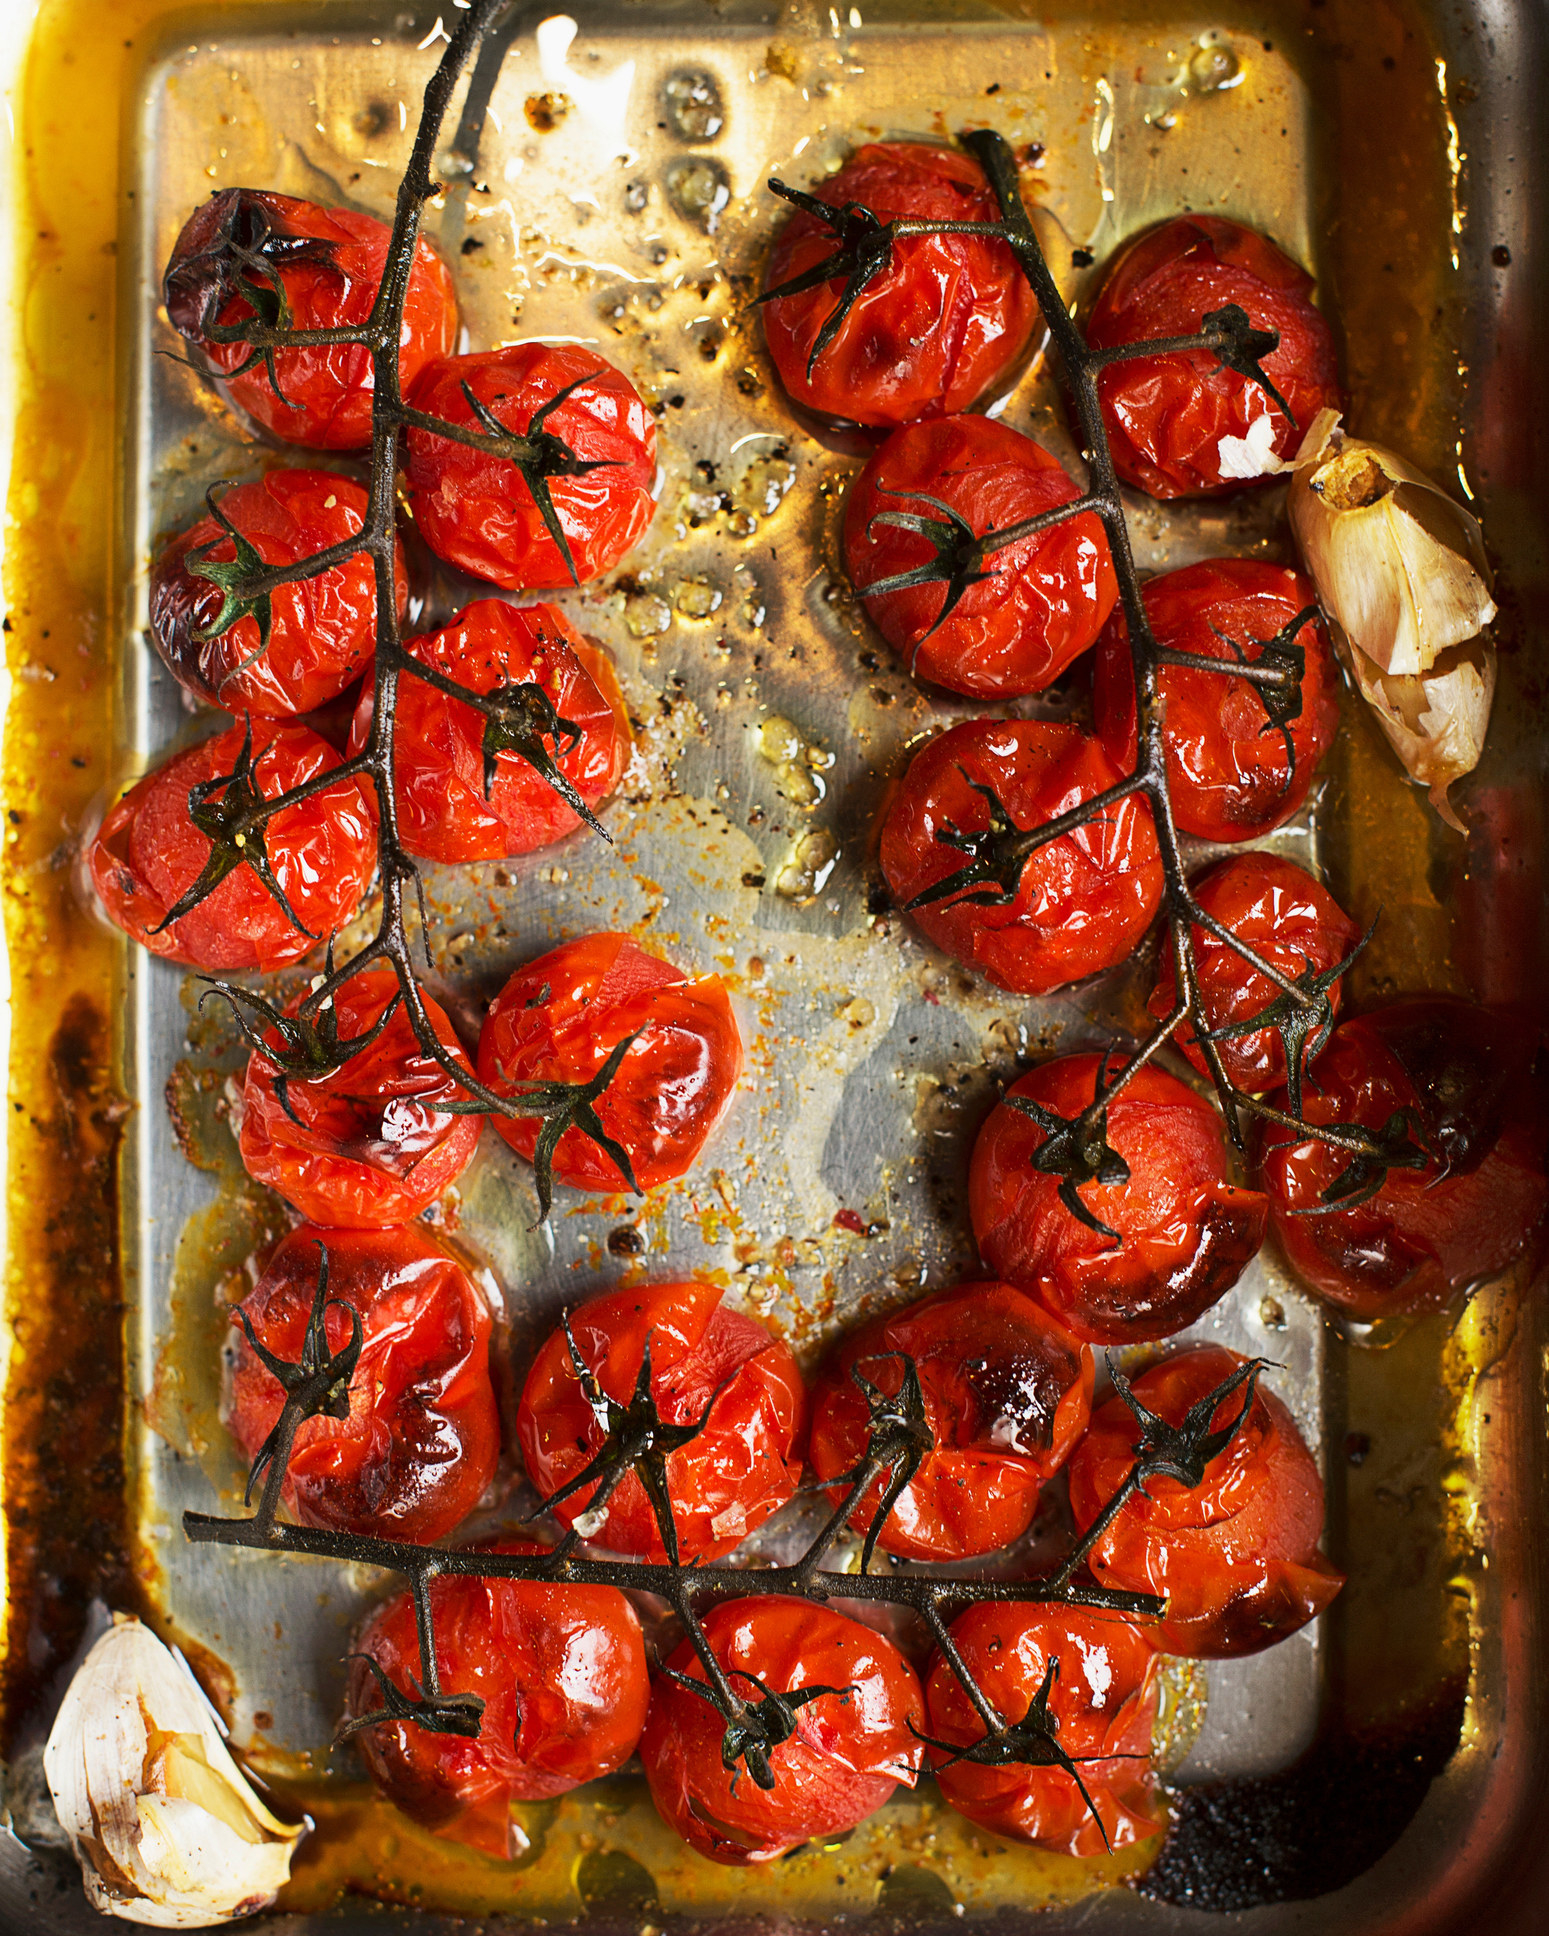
{"x": 167, "y": 1829}
{"x": 1435, "y": 721}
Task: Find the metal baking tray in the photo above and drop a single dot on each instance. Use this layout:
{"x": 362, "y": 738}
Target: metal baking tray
{"x": 1393, "y": 151}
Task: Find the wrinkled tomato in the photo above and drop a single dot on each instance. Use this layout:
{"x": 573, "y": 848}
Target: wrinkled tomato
{"x": 1080, "y": 903}
{"x": 850, "y": 1749}
{"x": 329, "y": 263}
{"x": 1176, "y": 1235}
{"x": 1237, "y": 1557}
{"x": 1006, "y": 1395}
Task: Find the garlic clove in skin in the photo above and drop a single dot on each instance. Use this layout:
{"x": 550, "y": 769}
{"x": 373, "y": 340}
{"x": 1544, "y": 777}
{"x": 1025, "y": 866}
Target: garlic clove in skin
{"x": 167, "y": 1829}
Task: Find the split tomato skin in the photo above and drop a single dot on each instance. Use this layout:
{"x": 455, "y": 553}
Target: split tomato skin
{"x": 477, "y": 511}
{"x": 1047, "y": 596}
{"x": 1237, "y": 1557}
{"x": 1187, "y": 1232}
{"x": 148, "y": 853}
{"x": 422, "y": 1440}
{"x": 1007, "y": 1393}
{"x": 1166, "y": 415}
{"x": 1231, "y": 774}
{"x": 563, "y": 1677}
{"x": 372, "y": 1144}
{"x": 946, "y": 321}
{"x": 438, "y": 761}
{"x": 322, "y": 630}
{"x": 1103, "y": 1701}
{"x": 559, "y": 1018}
{"x": 1476, "y": 1109}
{"x": 849, "y": 1752}
{"x": 1083, "y": 901}
{"x": 1286, "y": 917}
{"x": 705, "y": 1359}
{"x": 330, "y": 262}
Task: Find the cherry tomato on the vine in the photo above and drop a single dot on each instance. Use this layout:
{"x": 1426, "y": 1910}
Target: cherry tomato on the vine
{"x": 1006, "y": 1395}
{"x": 1045, "y": 597}
{"x": 422, "y": 1437}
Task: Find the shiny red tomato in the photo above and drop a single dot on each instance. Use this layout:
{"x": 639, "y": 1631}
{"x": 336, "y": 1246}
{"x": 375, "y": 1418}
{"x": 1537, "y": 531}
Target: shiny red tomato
{"x": 423, "y": 1436}
{"x": 849, "y": 1750}
{"x": 1045, "y": 598}
{"x": 1237, "y": 1557}
{"x": 1102, "y": 1701}
{"x": 562, "y": 1674}
{"x": 1288, "y": 919}
{"x": 1006, "y": 1395}
{"x": 1176, "y": 1234}
{"x": 946, "y": 319}
{"x": 706, "y": 1362}
{"x": 558, "y": 1020}
{"x": 1167, "y": 416}
{"x": 322, "y": 630}
{"x": 479, "y": 512}
{"x": 444, "y": 811}
{"x": 329, "y": 263}
{"x": 1234, "y": 773}
{"x": 148, "y": 854}
{"x": 1080, "y": 904}
{"x": 1475, "y": 1116}
{"x": 371, "y": 1144}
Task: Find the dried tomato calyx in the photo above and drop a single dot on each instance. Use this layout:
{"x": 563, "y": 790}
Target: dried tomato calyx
{"x": 1075, "y": 1149}
{"x": 898, "y": 1437}
{"x": 754, "y": 1728}
{"x": 436, "y": 1713}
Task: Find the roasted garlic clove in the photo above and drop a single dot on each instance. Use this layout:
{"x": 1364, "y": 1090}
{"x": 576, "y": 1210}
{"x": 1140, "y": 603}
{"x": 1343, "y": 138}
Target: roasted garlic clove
{"x": 166, "y": 1827}
{"x": 1436, "y": 720}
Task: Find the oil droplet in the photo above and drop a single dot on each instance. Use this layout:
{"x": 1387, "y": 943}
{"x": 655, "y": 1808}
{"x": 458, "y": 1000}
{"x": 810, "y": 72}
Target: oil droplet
{"x": 691, "y": 100}
{"x": 761, "y": 489}
{"x": 545, "y": 111}
{"x": 779, "y": 740}
{"x": 1272, "y": 1314}
{"x": 698, "y": 598}
{"x": 806, "y": 873}
{"x": 699, "y": 190}
{"x": 858, "y": 1011}
{"x": 647, "y": 615}
{"x": 1213, "y": 67}
{"x": 636, "y": 195}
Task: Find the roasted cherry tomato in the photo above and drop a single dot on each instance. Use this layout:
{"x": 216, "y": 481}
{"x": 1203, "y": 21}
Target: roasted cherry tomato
{"x": 1291, "y": 922}
{"x": 1006, "y": 1395}
{"x": 309, "y": 268}
{"x": 945, "y": 320}
{"x": 1077, "y": 905}
{"x": 149, "y": 854}
{"x": 1237, "y": 1557}
{"x": 559, "y": 1019}
{"x": 445, "y": 810}
{"x": 423, "y": 1433}
{"x": 1452, "y": 1090}
{"x": 1234, "y": 771}
{"x": 561, "y": 1671}
{"x": 1044, "y": 598}
{"x": 1182, "y": 424}
{"x": 322, "y": 631}
{"x": 373, "y": 1143}
{"x": 707, "y": 1362}
{"x": 1102, "y": 1701}
{"x": 1160, "y": 1242}
{"x": 596, "y": 460}
{"x": 851, "y": 1744}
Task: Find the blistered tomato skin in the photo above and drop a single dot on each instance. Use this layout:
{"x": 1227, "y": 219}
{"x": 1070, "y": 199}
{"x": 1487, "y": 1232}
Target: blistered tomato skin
{"x": 478, "y": 512}
{"x": 1166, "y": 416}
{"x": 562, "y": 1674}
{"x": 330, "y": 262}
{"x": 726, "y": 1481}
{"x": 1230, "y": 770}
{"x": 1103, "y": 1701}
{"x": 946, "y": 320}
{"x": 1464, "y": 1079}
{"x": 422, "y": 1438}
{"x": 849, "y": 1752}
{"x": 369, "y": 1145}
{"x": 148, "y": 853}
{"x": 1083, "y": 901}
{"x": 1236, "y": 1558}
{"x": 1045, "y": 598}
{"x": 438, "y": 757}
{"x": 1007, "y": 1393}
{"x": 1288, "y": 919}
{"x": 1186, "y": 1233}
{"x": 558, "y": 1020}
